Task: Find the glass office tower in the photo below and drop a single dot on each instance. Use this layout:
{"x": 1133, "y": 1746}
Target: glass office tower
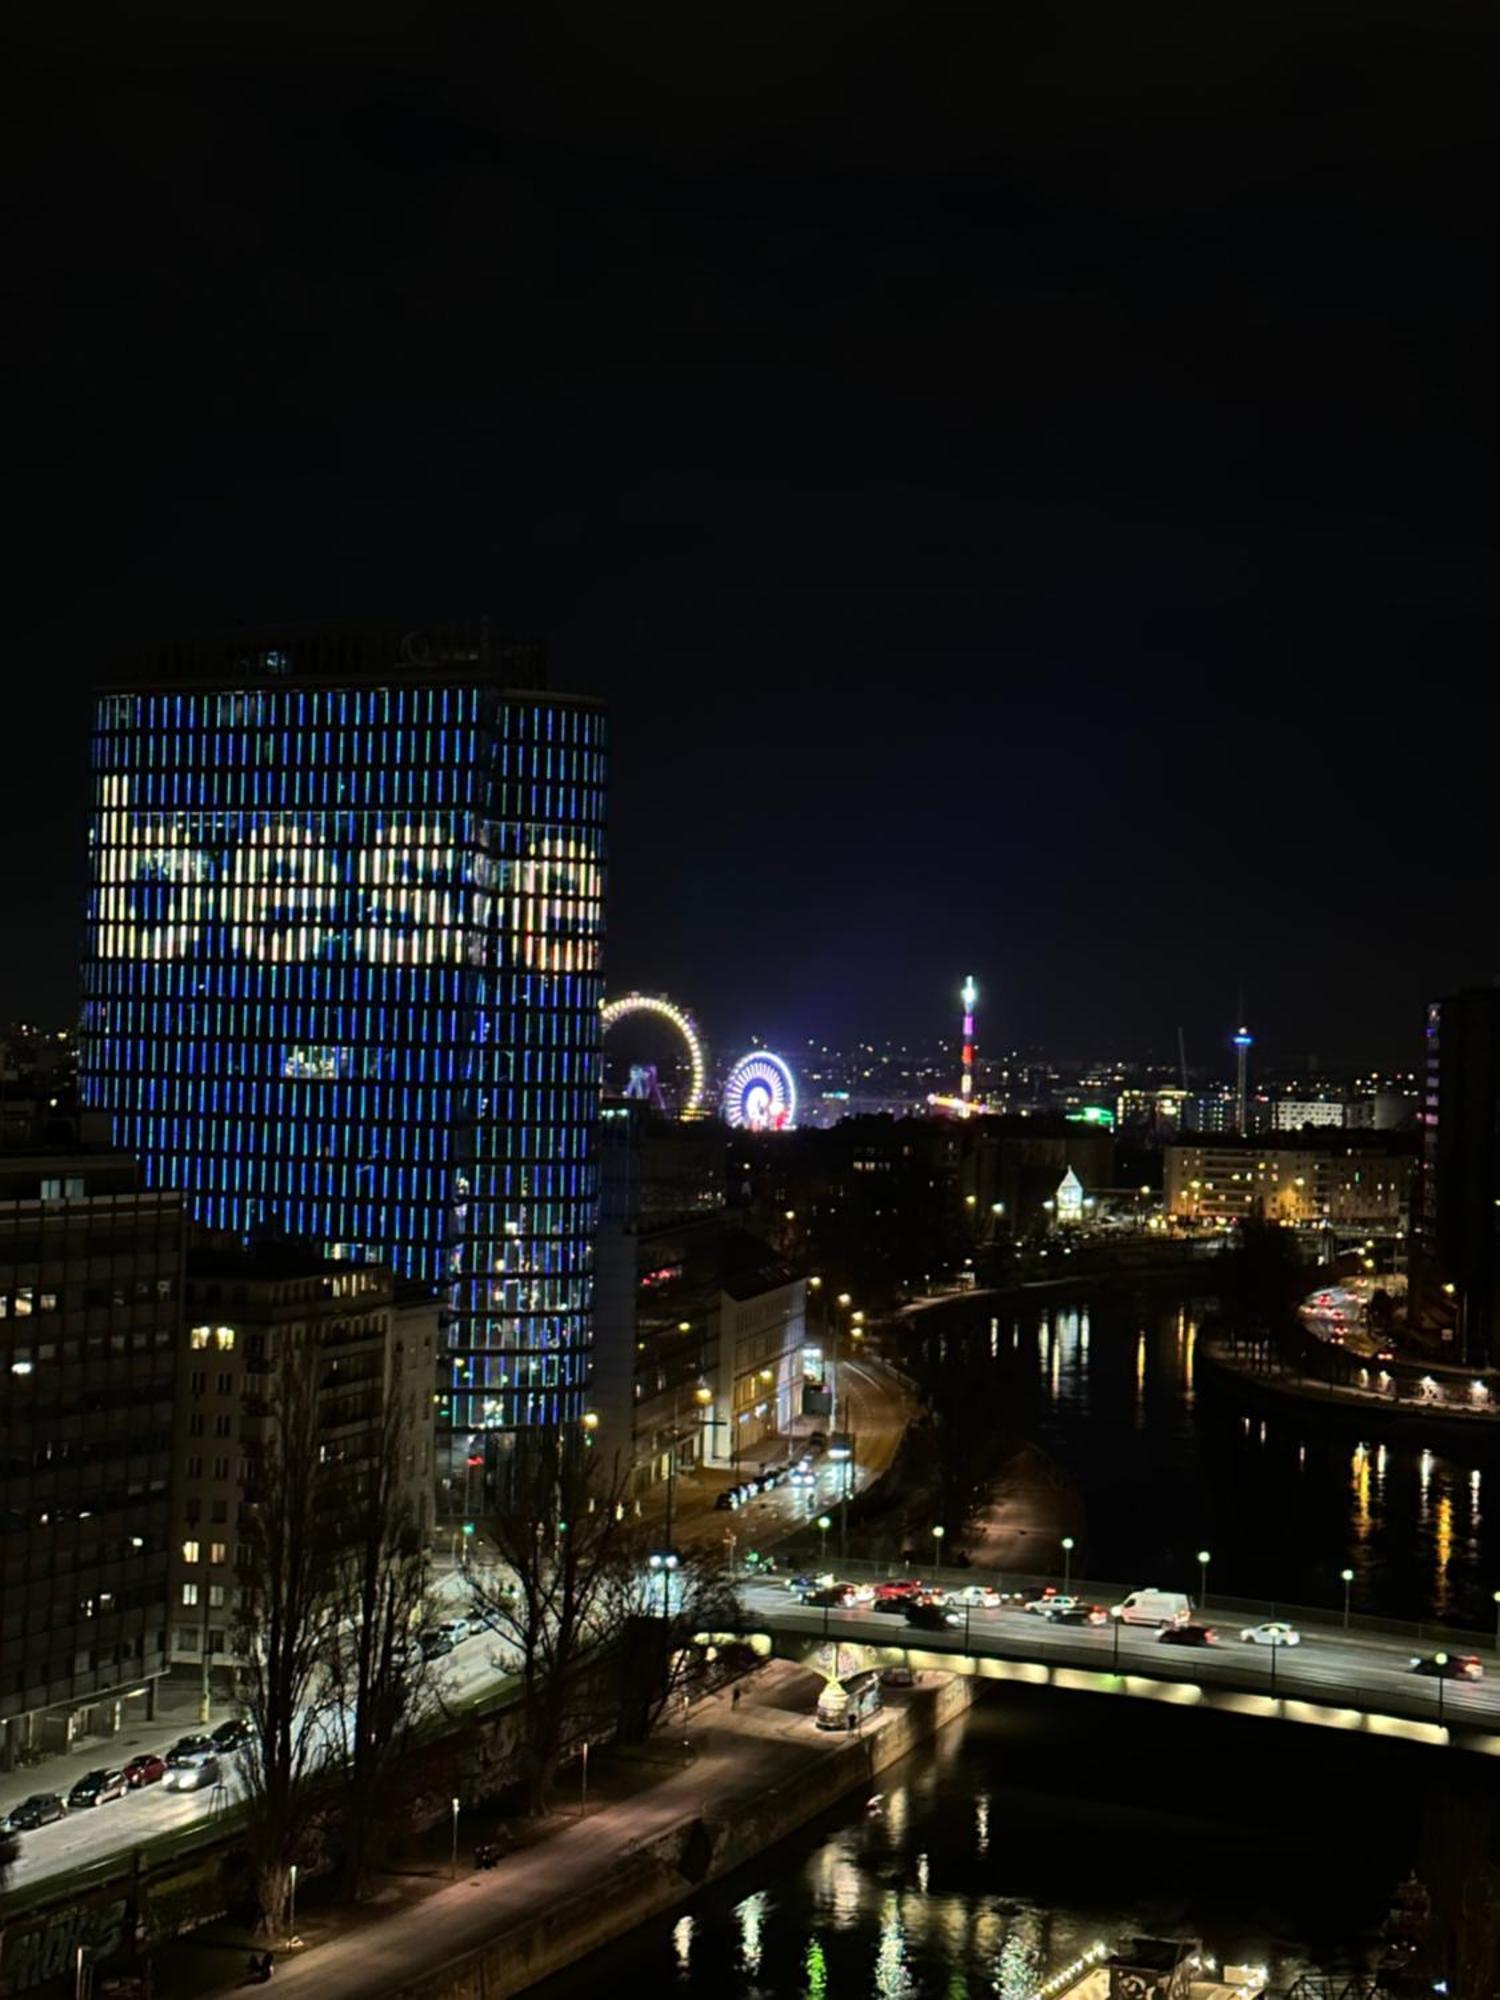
{"x": 343, "y": 975}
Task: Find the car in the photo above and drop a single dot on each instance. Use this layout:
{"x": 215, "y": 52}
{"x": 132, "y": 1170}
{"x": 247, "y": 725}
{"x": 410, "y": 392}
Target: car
{"x": 41, "y": 1809}
{"x": 97, "y": 1788}
{"x": 979, "y": 1597}
{"x": 829, "y": 1596}
{"x": 930, "y": 1617}
{"x": 899, "y": 1676}
{"x": 899, "y": 1591}
{"x": 455, "y": 1629}
{"x": 434, "y": 1645}
{"x": 187, "y": 1748}
{"x": 1074, "y": 1612}
{"x": 1050, "y": 1602}
{"x": 817, "y": 1441}
{"x": 1448, "y": 1666}
{"x": 804, "y": 1476}
{"x": 199, "y": 1774}
{"x": 1275, "y": 1632}
{"x": 232, "y": 1735}
{"x": 725, "y": 1500}
{"x": 147, "y": 1769}
{"x": 1187, "y": 1635}
{"x": 1155, "y": 1607}
{"x": 862, "y": 1593}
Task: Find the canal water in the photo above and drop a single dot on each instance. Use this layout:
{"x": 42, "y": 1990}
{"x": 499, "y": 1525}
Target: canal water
{"x": 1042, "y": 1823}
{"x": 1031, "y": 1829}
{"x": 1166, "y": 1464}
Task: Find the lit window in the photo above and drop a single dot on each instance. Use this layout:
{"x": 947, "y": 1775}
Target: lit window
{"x": 224, "y": 1337}
{"x": 190, "y": 1593}
{"x": 198, "y": 1337}
{"x": 190, "y": 1552}
{"x": 217, "y": 1552}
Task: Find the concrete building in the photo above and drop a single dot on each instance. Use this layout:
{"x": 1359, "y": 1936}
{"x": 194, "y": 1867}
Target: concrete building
{"x": 375, "y": 1343}
{"x": 1456, "y": 1251}
{"x": 1341, "y": 1183}
{"x": 1295, "y": 1114}
{"x": 91, "y": 1277}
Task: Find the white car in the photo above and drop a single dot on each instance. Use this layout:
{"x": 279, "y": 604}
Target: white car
{"x": 864, "y": 1593}
{"x": 1273, "y": 1633}
{"x": 980, "y": 1596}
{"x": 201, "y": 1773}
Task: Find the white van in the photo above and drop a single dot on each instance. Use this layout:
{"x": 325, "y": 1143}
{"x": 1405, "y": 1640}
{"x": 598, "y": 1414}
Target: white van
{"x": 1155, "y": 1607}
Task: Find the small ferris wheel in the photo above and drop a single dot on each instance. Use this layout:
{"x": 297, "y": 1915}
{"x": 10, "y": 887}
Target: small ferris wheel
{"x": 760, "y": 1094}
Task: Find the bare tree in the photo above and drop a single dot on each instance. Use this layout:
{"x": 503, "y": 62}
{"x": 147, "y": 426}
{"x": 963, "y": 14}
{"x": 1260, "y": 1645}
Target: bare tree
{"x": 289, "y": 1589}
{"x": 562, "y": 1536}
{"x": 375, "y": 1666}
{"x": 659, "y": 1603}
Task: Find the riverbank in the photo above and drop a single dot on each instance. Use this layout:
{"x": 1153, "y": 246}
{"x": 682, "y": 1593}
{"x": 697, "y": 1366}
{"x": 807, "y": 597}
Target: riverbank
{"x": 1348, "y": 1406}
{"x": 703, "y": 1802}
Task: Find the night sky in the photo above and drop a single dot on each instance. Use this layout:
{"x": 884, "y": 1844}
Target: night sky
{"x": 1023, "y": 476}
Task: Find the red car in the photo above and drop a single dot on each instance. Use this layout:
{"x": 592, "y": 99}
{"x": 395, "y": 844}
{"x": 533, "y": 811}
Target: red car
{"x": 898, "y": 1593}
{"x": 145, "y": 1770}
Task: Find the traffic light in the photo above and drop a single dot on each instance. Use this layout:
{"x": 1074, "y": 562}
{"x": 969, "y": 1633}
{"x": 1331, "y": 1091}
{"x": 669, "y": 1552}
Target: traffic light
{"x": 468, "y": 1527}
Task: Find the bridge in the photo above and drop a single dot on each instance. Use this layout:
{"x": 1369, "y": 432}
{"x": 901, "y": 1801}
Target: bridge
{"x": 1355, "y": 1677}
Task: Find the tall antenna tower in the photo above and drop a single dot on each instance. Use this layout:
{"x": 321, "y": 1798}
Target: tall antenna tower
{"x": 969, "y": 994}
{"x": 1242, "y": 1044}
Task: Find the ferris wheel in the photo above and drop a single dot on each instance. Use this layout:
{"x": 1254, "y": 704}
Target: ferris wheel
{"x": 760, "y": 1094}
{"x": 643, "y": 1082}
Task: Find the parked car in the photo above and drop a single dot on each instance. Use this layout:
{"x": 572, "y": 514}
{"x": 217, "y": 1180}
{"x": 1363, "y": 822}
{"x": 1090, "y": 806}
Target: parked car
{"x": 1275, "y": 1632}
{"x": 186, "y": 1748}
{"x": 455, "y": 1628}
{"x": 39, "y": 1810}
{"x": 817, "y": 1441}
{"x": 97, "y": 1788}
{"x": 147, "y": 1769}
{"x": 1188, "y": 1635}
{"x": 1155, "y": 1607}
{"x": 725, "y": 1500}
{"x": 199, "y": 1774}
{"x": 434, "y": 1645}
{"x": 1449, "y": 1666}
{"x": 899, "y": 1676}
{"x": 232, "y": 1735}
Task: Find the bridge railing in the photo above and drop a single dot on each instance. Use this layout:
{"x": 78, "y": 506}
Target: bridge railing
{"x": 1216, "y": 1609}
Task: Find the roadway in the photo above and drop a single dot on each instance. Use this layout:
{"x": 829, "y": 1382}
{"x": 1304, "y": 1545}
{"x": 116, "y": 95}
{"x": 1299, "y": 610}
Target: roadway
{"x": 1331, "y": 1668}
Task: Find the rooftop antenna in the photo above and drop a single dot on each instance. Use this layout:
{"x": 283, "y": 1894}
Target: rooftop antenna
{"x": 1182, "y": 1059}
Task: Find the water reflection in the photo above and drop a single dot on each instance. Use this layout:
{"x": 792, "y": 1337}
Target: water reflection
{"x": 752, "y": 1917}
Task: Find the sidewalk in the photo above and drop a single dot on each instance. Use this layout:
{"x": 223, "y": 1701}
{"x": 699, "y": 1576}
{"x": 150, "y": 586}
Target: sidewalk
{"x": 177, "y": 1707}
{"x": 423, "y": 1920}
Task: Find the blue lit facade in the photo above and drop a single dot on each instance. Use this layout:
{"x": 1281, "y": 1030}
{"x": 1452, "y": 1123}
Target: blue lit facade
{"x": 343, "y": 980}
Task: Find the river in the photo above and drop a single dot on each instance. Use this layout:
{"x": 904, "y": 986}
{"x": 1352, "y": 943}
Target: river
{"x": 1040, "y": 1823}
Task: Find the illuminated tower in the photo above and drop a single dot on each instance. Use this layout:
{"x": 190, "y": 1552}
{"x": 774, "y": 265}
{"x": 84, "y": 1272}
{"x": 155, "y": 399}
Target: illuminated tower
{"x": 342, "y": 977}
{"x": 1242, "y": 1041}
{"x": 969, "y": 996}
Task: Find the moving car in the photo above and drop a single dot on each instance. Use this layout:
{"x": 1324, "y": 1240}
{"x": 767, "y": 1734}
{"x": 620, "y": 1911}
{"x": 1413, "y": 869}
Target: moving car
{"x": 39, "y": 1810}
{"x": 1188, "y": 1635}
{"x": 829, "y": 1596}
{"x": 147, "y": 1769}
{"x": 186, "y": 1748}
{"x": 979, "y": 1597}
{"x": 1155, "y": 1607}
{"x": 1073, "y": 1611}
{"x": 231, "y": 1736}
{"x": 1273, "y": 1633}
{"x": 198, "y": 1775}
{"x": 1448, "y": 1666}
{"x": 1049, "y": 1602}
{"x": 900, "y": 1591}
{"x": 96, "y": 1788}
{"x": 930, "y": 1617}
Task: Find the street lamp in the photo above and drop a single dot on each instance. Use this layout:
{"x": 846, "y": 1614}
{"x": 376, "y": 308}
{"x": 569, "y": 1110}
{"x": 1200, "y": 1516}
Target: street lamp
{"x": 291, "y": 1928}
{"x": 937, "y": 1546}
{"x": 1067, "y": 1549}
{"x": 824, "y": 1524}
{"x": 453, "y": 1858}
{"x": 1203, "y": 1561}
{"x": 1346, "y": 1577}
{"x": 1497, "y": 1621}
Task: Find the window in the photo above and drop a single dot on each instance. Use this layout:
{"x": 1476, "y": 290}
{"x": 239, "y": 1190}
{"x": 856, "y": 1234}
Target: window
{"x": 198, "y": 1337}
{"x": 221, "y": 1468}
{"x": 216, "y": 1596}
{"x": 190, "y": 1552}
{"x": 195, "y": 1424}
{"x": 224, "y": 1427}
{"x": 226, "y": 1382}
{"x": 187, "y": 1638}
{"x": 198, "y": 1381}
{"x": 190, "y": 1593}
{"x": 195, "y": 1467}
{"x": 219, "y": 1511}
{"x": 224, "y": 1338}
{"x": 218, "y": 1552}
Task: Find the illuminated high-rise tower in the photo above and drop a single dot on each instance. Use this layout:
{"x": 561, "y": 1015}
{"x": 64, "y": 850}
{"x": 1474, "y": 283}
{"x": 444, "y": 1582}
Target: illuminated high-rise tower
{"x": 970, "y": 997}
{"x": 1243, "y": 1039}
{"x": 343, "y": 975}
